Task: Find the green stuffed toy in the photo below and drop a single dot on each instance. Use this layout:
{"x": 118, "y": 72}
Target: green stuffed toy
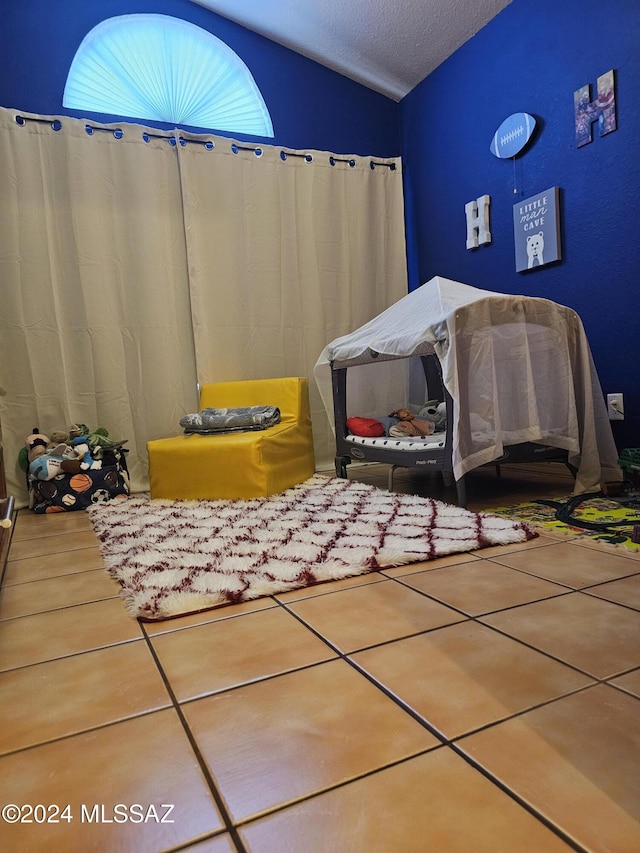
{"x": 97, "y": 439}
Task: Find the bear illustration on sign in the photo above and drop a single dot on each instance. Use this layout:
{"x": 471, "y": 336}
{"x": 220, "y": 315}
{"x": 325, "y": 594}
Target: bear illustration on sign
{"x": 536, "y": 230}
{"x": 535, "y": 249}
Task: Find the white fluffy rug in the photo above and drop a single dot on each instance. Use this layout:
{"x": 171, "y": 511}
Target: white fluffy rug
{"x": 177, "y": 557}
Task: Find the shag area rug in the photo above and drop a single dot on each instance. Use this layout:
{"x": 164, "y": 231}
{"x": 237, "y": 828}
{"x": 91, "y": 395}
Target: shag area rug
{"x": 596, "y": 510}
{"x": 178, "y": 557}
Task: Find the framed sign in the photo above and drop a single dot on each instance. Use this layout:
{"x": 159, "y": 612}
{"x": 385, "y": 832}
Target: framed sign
{"x": 536, "y": 229}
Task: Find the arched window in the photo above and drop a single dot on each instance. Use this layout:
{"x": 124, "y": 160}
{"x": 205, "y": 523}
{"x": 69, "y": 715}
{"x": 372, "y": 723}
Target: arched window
{"x": 165, "y": 69}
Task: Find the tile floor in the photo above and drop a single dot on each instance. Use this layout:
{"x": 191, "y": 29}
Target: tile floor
{"x": 482, "y": 702}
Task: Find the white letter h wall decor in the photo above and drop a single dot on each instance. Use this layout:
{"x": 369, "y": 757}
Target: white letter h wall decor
{"x": 477, "y": 213}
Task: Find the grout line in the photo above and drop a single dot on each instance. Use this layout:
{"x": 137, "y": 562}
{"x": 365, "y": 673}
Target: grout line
{"x": 512, "y": 548}
{"x": 303, "y": 798}
{"x": 453, "y": 743}
{"x": 23, "y": 583}
{"x": 514, "y": 716}
{"x": 10, "y": 619}
{"x": 217, "y": 608}
{"x": 531, "y": 573}
{"x": 195, "y": 843}
{"x": 14, "y": 583}
{"x": 594, "y": 680}
{"x": 608, "y": 600}
{"x": 477, "y": 619}
{"x": 608, "y": 549}
{"x": 519, "y": 800}
{"x": 444, "y": 740}
{"x": 217, "y": 796}
{"x": 70, "y": 654}
{"x": 52, "y": 553}
{"x": 584, "y": 672}
{"x": 344, "y": 656}
{"x": 58, "y": 739}
{"x": 402, "y": 580}
{"x": 620, "y": 688}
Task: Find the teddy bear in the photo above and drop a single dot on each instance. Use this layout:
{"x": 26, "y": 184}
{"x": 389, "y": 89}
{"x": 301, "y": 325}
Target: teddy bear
{"x": 59, "y": 443}
{"x": 409, "y": 425}
{"x": 436, "y": 412}
{"x": 535, "y": 249}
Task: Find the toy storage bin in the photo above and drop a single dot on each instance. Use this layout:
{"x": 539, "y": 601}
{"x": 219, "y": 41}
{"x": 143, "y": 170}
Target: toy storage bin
{"x": 69, "y": 492}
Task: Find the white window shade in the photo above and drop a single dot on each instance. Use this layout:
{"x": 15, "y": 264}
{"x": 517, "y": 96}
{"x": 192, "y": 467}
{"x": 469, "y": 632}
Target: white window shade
{"x": 165, "y": 69}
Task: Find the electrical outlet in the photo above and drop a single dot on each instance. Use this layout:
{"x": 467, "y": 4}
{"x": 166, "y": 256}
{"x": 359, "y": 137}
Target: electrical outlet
{"x": 615, "y": 407}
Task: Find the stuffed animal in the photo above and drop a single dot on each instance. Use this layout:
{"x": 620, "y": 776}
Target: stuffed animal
{"x": 36, "y": 444}
{"x": 409, "y": 425}
{"x": 81, "y": 448}
{"x": 71, "y": 452}
{"x": 76, "y": 430}
{"x": 436, "y": 412}
{"x": 97, "y": 439}
{"x": 45, "y": 467}
{"x": 57, "y": 438}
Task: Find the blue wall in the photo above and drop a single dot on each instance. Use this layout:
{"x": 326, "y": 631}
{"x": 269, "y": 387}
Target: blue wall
{"x": 532, "y": 58}
{"x": 310, "y": 106}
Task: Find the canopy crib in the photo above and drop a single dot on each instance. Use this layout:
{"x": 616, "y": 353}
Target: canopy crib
{"x": 515, "y": 372}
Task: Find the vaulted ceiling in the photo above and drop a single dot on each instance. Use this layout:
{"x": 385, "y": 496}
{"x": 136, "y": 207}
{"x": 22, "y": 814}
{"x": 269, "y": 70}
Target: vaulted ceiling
{"x": 388, "y": 45}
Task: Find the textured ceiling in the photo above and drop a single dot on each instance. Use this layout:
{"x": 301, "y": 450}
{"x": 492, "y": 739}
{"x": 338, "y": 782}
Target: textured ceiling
{"x": 388, "y": 45}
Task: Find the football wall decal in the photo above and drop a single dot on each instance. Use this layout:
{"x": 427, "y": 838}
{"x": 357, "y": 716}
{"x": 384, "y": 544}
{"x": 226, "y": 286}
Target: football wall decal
{"x": 512, "y": 135}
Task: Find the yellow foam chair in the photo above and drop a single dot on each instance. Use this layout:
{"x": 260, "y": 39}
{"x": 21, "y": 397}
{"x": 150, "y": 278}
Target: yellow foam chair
{"x": 239, "y": 464}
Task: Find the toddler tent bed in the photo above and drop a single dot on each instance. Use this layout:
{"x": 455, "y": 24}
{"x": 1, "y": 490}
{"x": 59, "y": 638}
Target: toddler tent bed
{"x": 516, "y": 374}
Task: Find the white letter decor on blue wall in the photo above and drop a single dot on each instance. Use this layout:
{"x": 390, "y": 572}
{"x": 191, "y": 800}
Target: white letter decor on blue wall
{"x": 536, "y": 227}
{"x": 477, "y": 213}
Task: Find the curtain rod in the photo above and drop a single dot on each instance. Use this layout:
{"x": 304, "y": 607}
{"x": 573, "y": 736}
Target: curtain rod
{"x": 90, "y": 130}
{"x": 119, "y": 133}
{"x": 55, "y": 124}
{"x": 284, "y": 154}
{"x": 334, "y": 160}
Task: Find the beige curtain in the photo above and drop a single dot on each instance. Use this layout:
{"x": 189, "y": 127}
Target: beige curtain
{"x": 285, "y": 254}
{"x": 94, "y": 314}
{"x": 130, "y": 270}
